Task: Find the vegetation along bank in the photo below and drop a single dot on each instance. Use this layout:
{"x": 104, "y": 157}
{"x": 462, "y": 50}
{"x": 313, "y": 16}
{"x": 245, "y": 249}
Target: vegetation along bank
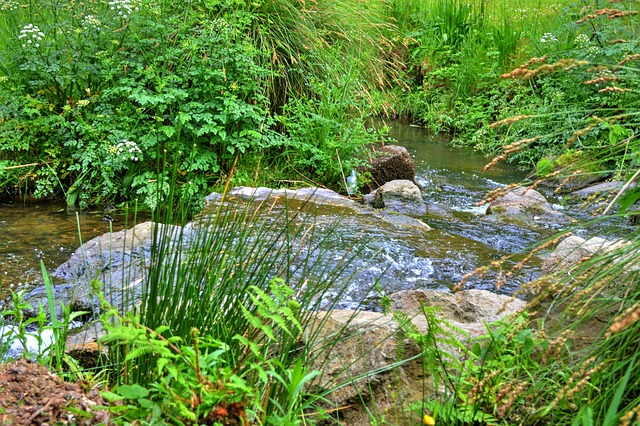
{"x": 154, "y": 101}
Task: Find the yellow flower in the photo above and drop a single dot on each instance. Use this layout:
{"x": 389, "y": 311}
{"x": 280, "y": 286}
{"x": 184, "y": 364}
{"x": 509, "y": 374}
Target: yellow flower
{"x": 428, "y": 420}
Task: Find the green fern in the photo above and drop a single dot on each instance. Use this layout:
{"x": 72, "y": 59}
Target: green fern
{"x": 276, "y": 308}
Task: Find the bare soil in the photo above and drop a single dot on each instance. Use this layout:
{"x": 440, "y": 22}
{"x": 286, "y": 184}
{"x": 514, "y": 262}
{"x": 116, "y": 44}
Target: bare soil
{"x": 32, "y": 395}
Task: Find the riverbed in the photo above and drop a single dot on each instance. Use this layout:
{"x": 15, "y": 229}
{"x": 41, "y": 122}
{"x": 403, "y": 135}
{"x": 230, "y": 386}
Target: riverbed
{"x": 460, "y": 241}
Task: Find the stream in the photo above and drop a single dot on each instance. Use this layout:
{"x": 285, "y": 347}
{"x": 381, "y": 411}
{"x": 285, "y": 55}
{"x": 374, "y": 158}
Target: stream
{"x": 460, "y": 241}
{"x": 45, "y": 231}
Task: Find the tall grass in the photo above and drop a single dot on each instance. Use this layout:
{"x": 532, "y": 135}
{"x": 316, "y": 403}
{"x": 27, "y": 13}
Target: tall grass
{"x": 595, "y": 306}
{"x": 456, "y": 50}
{"x": 308, "y": 41}
{"x": 234, "y": 274}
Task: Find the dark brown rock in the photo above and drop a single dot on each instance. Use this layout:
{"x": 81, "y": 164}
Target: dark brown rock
{"x": 389, "y": 163}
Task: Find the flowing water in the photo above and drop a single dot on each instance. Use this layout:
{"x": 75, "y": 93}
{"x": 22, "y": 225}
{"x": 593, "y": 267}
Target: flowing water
{"x": 400, "y": 256}
{"x": 461, "y": 240}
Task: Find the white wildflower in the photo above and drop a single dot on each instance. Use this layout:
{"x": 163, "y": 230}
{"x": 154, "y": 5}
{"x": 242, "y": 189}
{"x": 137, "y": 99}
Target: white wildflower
{"x": 548, "y": 38}
{"x": 127, "y": 150}
{"x": 582, "y": 40}
{"x": 30, "y": 33}
{"x": 9, "y": 5}
{"x": 592, "y": 52}
{"x": 90, "y": 22}
{"x": 123, "y": 7}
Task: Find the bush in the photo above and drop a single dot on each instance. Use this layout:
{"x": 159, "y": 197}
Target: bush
{"x": 101, "y": 101}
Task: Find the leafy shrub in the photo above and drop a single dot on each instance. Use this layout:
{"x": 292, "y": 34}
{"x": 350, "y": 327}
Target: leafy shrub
{"x": 203, "y": 381}
{"x": 103, "y": 101}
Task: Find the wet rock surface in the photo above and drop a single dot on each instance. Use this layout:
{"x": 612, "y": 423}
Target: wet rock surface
{"x": 526, "y": 206}
{"x": 573, "y": 250}
{"x": 120, "y": 260}
{"x": 402, "y": 196}
{"x": 117, "y": 261}
{"x": 318, "y": 196}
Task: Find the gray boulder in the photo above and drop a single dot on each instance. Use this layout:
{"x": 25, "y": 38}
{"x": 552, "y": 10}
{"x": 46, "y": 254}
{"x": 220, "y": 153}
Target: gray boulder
{"x": 526, "y": 206}
{"x": 573, "y": 250}
{"x": 580, "y": 287}
{"x": 402, "y": 196}
{"x": 318, "y": 196}
{"x": 600, "y": 189}
{"x": 117, "y": 260}
{"x": 371, "y": 344}
{"x": 595, "y": 198}
{"x": 469, "y": 310}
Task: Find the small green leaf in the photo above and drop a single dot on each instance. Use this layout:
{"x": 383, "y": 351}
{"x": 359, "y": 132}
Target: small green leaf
{"x": 111, "y": 397}
{"x": 133, "y": 391}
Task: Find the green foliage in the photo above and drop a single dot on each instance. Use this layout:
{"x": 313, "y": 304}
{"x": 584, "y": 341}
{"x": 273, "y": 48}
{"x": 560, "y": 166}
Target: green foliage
{"x": 611, "y": 361}
{"x": 328, "y": 130}
{"x": 441, "y": 350}
{"x": 456, "y": 51}
{"x": 561, "y": 105}
{"x": 200, "y": 382}
{"x": 544, "y": 166}
{"x": 34, "y": 335}
{"x": 97, "y": 100}
{"x": 18, "y": 330}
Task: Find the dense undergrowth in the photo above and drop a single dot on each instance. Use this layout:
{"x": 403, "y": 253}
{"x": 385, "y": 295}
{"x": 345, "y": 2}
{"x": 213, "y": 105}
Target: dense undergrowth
{"x": 545, "y": 84}
{"x": 96, "y": 98}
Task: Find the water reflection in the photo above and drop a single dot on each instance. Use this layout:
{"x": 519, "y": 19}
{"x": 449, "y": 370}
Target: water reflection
{"x": 44, "y": 231}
